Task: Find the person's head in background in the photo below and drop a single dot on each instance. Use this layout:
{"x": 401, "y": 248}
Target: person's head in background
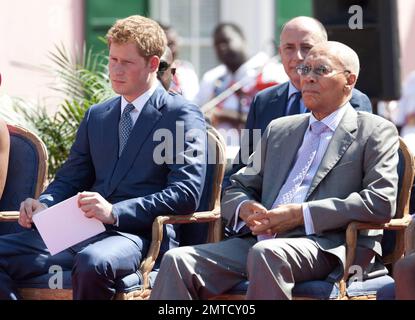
{"x": 297, "y": 37}
{"x": 136, "y": 44}
{"x": 172, "y": 39}
{"x": 165, "y": 71}
{"x": 230, "y": 45}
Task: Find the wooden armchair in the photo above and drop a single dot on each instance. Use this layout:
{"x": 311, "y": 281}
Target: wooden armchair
{"x": 387, "y": 292}
{"x": 217, "y": 160}
{"x": 26, "y": 175}
{"x": 392, "y": 245}
{"x": 410, "y": 238}
{"x": 137, "y": 285}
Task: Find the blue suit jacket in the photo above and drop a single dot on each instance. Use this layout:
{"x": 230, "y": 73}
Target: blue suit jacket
{"x": 270, "y": 104}
{"x": 138, "y": 188}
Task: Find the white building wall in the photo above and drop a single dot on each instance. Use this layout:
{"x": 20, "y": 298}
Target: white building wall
{"x": 256, "y": 18}
{"x": 28, "y": 31}
{"x": 406, "y": 19}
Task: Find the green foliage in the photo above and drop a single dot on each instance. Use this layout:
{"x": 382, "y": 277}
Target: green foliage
{"x": 57, "y": 136}
{"x": 14, "y": 110}
{"x": 83, "y": 81}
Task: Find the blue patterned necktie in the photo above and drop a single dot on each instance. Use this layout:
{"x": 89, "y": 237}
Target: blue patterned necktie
{"x": 300, "y": 169}
{"x": 295, "y": 106}
{"x": 125, "y": 126}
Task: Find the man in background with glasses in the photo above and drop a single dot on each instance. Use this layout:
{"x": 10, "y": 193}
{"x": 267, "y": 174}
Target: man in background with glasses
{"x": 339, "y": 166}
{"x": 165, "y": 71}
{"x": 185, "y": 79}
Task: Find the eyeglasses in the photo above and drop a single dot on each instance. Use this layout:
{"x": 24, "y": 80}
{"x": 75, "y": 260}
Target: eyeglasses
{"x": 320, "y": 71}
{"x": 164, "y": 66}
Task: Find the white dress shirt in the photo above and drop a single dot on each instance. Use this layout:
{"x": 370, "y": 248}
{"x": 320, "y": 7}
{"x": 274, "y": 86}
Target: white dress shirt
{"x": 139, "y": 102}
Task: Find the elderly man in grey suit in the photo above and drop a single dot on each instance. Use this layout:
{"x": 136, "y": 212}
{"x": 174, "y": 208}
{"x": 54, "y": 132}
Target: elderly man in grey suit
{"x": 339, "y": 165}
{"x": 297, "y": 37}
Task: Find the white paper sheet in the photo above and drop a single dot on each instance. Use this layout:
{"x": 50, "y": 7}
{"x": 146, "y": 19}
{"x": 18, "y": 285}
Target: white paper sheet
{"x": 64, "y": 225}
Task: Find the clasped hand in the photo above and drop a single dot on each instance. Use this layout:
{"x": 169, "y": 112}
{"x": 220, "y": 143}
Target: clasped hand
{"x": 267, "y": 222}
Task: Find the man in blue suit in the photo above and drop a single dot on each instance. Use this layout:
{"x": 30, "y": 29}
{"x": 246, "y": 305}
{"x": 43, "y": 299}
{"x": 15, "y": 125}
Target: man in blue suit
{"x": 297, "y": 37}
{"x": 131, "y": 177}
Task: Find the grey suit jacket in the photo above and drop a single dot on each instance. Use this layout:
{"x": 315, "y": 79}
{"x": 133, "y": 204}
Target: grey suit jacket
{"x": 270, "y": 104}
{"x": 356, "y": 180}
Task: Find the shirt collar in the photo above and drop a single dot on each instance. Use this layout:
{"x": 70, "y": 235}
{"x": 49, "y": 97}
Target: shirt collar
{"x": 140, "y": 101}
{"x": 291, "y": 89}
{"x": 332, "y": 120}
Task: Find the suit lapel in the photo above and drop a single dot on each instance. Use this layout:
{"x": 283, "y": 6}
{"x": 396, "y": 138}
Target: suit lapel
{"x": 285, "y": 157}
{"x": 109, "y": 130}
{"x": 144, "y": 125}
{"x": 340, "y": 142}
{"x": 278, "y": 103}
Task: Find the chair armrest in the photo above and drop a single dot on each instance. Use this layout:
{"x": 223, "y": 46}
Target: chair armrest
{"x": 410, "y": 238}
{"x": 197, "y": 217}
{"x": 9, "y": 216}
{"x": 157, "y": 235}
{"x": 351, "y": 241}
{"x": 393, "y": 224}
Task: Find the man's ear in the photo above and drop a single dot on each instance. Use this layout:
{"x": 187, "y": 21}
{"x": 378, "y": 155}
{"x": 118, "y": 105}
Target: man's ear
{"x": 154, "y": 62}
{"x": 350, "y": 81}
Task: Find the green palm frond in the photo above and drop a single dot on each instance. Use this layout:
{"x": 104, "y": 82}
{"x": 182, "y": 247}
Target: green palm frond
{"x": 83, "y": 82}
